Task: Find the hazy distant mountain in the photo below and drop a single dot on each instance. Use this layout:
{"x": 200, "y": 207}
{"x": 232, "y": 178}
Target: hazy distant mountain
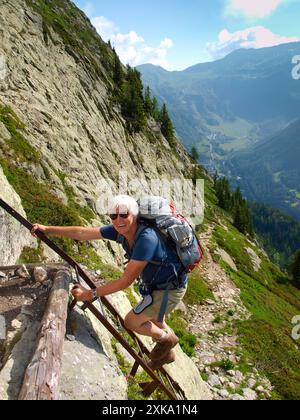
{"x": 229, "y": 104}
{"x": 270, "y": 171}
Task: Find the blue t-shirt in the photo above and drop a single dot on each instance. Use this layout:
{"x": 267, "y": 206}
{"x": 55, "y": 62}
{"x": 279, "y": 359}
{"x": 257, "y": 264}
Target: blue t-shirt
{"x": 150, "y": 247}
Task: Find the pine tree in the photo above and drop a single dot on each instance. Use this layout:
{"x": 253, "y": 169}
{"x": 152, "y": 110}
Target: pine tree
{"x": 132, "y": 101}
{"x": 223, "y": 194}
{"x": 295, "y": 269}
{"x": 118, "y": 73}
{"x": 148, "y": 101}
{"x": 235, "y": 204}
{"x": 155, "y": 109}
{"x": 195, "y": 154}
{"x": 167, "y": 128}
{"x": 242, "y": 216}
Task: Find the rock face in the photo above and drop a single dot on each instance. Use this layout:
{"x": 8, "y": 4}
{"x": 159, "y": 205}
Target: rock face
{"x": 87, "y": 372}
{"x": 81, "y": 139}
{"x": 12, "y": 373}
{"x": 256, "y": 261}
{"x": 68, "y": 113}
{"x": 12, "y": 237}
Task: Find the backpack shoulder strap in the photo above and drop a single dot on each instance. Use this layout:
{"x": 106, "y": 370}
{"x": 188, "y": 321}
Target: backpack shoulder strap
{"x": 140, "y": 229}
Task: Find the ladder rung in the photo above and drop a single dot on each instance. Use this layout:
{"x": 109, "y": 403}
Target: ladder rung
{"x": 134, "y": 369}
{"x": 148, "y": 388}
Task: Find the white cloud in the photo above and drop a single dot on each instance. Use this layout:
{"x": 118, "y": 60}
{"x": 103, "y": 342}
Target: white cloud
{"x": 255, "y": 37}
{"x": 105, "y": 28}
{"x": 252, "y": 8}
{"x": 166, "y": 43}
{"x": 132, "y": 48}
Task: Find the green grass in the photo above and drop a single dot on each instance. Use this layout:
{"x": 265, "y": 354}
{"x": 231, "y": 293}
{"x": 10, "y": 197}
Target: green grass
{"x": 43, "y": 207}
{"x": 273, "y": 353}
{"x": 40, "y": 205}
{"x": 24, "y": 152}
{"x": 224, "y": 364}
{"x": 266, "y": 340}
{"x": 197, "y": 291}
{"x": 187, "y": 340}
{"x": 31, "y": 255}
{"x": 85, "y": 212}
{"x": 234, "y": 145}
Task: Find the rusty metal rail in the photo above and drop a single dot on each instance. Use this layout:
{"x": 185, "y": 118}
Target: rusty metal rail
{"x": 163, "y": 380}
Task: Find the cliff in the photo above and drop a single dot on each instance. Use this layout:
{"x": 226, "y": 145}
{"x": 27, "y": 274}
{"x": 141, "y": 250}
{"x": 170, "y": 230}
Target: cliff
{"x": 60, "y": 134}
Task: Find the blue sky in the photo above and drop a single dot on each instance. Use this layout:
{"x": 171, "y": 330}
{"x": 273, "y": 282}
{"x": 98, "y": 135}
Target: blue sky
{"x": 177, "y": 34}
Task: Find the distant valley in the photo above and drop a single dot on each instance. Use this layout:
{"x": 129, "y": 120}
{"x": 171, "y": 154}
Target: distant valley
{"x": 235, "y": 110}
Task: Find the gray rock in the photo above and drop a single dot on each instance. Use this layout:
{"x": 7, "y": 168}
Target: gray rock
{"x": 210, "y": 302}
{"x": 70, "y": 337}
{"x": 223, "y": 393}
{"x": 249, "y": 394}
{"x": 12, "y": 373}
{"x": 25, "y": 310}
{"x": 39, "y": 274}
{"x": 231, "y": 373}
{"x": 237, "y": 397}
{"x": 13, "y": 237}
{"x": 256, "y": 261}
{"x": 251, "y": 383}
{"x": 214, "y": 381}
{"x": 4, "y": 133}
{"x": 22, "y": 272}
{"x": 16, "y": 324}
{"x": 261, "y": 390}
{"x": 226, "y": 258}
{"x": 239, "y": 377}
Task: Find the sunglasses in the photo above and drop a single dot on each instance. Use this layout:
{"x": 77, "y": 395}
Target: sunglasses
{"x": 115, "y": 216}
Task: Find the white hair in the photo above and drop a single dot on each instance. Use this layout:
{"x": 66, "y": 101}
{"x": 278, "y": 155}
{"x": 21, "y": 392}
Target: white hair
{"x": 125, "y": 204}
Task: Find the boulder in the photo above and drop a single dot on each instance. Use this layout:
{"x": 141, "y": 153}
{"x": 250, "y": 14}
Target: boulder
{"x": 256, "y": 261}
{"x": 13, "y": 237}
{"x": 226, "y": 258}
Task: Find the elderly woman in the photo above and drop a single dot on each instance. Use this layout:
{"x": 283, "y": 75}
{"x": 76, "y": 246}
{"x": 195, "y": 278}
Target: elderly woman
{"x": 149, "y": 258}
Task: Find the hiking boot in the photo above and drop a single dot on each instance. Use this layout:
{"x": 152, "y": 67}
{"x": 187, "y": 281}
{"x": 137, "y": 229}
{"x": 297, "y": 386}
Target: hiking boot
{"x": 162, "y": 348}
{"x": 169, "y": 358}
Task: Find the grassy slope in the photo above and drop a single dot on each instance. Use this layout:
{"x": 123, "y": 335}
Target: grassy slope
{"x": 265, "y": 339}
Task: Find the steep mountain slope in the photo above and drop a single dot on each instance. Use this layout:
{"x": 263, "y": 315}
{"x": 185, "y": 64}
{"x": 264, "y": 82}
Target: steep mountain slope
{"x": 270, "y": 173}
{"x": 278, "y": 232}
{"x": 244, "y": 280}
{"x": 62, "y": 135}
{"x": 61, "y": 132}
{"x": 227, "y": 105}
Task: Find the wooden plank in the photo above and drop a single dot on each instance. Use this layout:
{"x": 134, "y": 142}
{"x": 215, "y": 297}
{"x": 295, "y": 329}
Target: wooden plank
{"x": 42, "y": 375}
{"x": 46, "y": 266}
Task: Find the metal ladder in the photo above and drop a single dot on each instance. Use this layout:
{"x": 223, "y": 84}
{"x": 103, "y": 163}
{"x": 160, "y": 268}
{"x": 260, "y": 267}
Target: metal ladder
{"x": 162, "y": 379}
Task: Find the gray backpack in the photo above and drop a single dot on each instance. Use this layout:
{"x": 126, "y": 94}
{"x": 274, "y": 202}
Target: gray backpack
{"x": 173, "y": 228}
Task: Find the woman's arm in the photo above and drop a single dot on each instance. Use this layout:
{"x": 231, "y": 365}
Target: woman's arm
{"x": 73, "y": 232}
{"x": 133, "y": 270}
